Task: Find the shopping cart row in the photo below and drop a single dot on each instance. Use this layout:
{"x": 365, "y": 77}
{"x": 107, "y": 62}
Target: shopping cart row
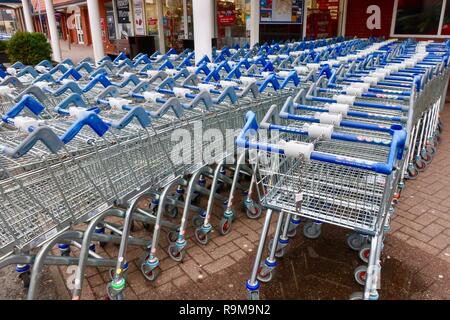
{"x": 339, "y": 153}
{"x": 84, "y": 142}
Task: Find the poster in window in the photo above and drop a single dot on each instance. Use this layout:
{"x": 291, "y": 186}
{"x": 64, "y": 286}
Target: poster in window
{"x": 123, "y": 11}
{"x": 281, "y": 11}
{"x": 139, "y": 18}
{"x": 418, "y": 17}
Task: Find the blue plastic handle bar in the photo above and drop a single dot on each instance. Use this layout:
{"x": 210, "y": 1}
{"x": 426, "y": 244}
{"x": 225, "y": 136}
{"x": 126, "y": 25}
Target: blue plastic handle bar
{"x": 121, "y": 56}
{"x": 86, "y": 66}
{"x": 166, "y": 64}
{"x": 292, "y": 77}
{"x": 72, "y": 86}
{"x": 47, "y": 77}
{"x": 70, "y": 73}
{"x": 137, "y": 113}
{"x": 359, "y": 104}
{"x": 272, "y": 79}
{"x": 17, "y": 65}
{"x": 27, "y": 101}
{"x": 356, "y": 114}
{"x": 28, "y": 70}
{"x": 143, "y": 58}
{"x": 101, "y": 78}
{"x": 172, "y": 51}
{"x": 59, "y": 67}
{"x": 334, "y": 136}
{"x": 68, "y": 61}
{"x": 99, "y": 71}
{"x": 45, "y": 63}
{"x": 131, "y": 78}
{"x": 74, "y": 99}
{"x": 87, "y": 118}
{"x": 396, "y": 149}
{"x": 43, "y": 134}
{"x": 286, "y": 112}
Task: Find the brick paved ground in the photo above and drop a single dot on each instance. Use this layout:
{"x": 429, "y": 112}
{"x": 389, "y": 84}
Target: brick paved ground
{"x": 415, "y": 262}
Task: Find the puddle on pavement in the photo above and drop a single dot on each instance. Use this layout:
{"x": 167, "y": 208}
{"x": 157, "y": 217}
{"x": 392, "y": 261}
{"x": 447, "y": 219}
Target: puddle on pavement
{"x": 323, "y": 269}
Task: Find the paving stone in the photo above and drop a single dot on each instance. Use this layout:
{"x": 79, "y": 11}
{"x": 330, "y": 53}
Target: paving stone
{"x": 219, "y": 265}
{"x": 192, "y": 269}
{"x": 415, "y": 234}
{"x": 182, "y": 281}
{"x": 433, "y": 229}
{"x": 238, "y": 255}
{"x": 199, "y": 255}
{"x": 95, "y": 280}
{"x": 440, "y": 241}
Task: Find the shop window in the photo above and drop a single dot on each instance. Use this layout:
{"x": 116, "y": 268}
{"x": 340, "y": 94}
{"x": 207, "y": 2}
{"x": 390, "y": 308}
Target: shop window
{"x": 421, "y": 18}
{"x": 418, "y": 17}
{"x": 322, "y": 19}
{"x": 232, "y": 19}
{"x": 173, "y": 21}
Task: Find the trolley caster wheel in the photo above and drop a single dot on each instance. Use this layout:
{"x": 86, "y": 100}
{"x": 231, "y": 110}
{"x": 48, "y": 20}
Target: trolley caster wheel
{"x": 356, "y": 296}
{"x": 113, "y": 294}
{"x": 412, "y": 173}
{"x": 25, "y": 277}
{"x": 420, "y": 165}
{"x": 265, "y": 276}
{"x": 175, "y": 253}
{"x": 312, "y": 230}
{"x": 431, "y": 149}
{"x": 225, "y": 226}
{"x": 426, "y": 158}
{"x": 364, "y": 253}
{"x": 279, "y": 252}
{"x": 253, "y": 211}
{"x": 355, "y": 241}
{"x": 172, "y": 236}
{"x": 292, "y": 233}
{"x": 360, "y": 275}
{"x": 201, "y": 236}
{"x": 171, "y": 211}
{"x": 253, "y": 295}
{"x": 197, "y": 221}
{"x": 149, "y": 273}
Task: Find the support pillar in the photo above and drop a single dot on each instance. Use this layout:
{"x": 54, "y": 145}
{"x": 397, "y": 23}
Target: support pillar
{"x": 160, "y": 17}
{"x": 203, "y": 33}
{"x": 254, "y": 22}
{"x": 27, "y": 16}
{"x": 54, "y": 39}
{"x": 96, "y": 30}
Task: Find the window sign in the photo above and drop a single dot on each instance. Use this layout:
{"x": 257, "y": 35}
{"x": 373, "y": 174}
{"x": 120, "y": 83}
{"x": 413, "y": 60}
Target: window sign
{"x": 123, "y": 11}
{"x": 139, "y": 17}
{"x": 281, "y": 11}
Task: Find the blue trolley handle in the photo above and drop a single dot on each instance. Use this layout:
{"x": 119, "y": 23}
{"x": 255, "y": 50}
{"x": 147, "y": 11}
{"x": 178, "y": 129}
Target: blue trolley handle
{"x": 27, "y": 101}
{"x": 43, "y": 134}
{"x": 396, "y": 150}
{"x": 88, "y": 118}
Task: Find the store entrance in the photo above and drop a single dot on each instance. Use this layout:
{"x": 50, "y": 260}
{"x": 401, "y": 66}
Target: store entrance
{"x": 323, "y": 18}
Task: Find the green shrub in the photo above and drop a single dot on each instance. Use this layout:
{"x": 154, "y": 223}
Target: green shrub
{"x": 30, "y": 48}
{"x": 3, "y": 46}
